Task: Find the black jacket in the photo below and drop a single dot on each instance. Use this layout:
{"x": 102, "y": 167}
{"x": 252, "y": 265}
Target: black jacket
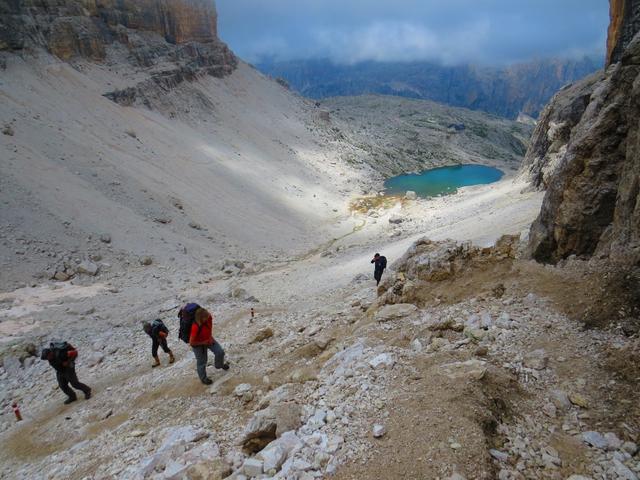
{"x": 381, "y": 263}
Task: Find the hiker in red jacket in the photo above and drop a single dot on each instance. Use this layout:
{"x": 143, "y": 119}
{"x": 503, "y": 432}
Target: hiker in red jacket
{"x": 201, "y": 340}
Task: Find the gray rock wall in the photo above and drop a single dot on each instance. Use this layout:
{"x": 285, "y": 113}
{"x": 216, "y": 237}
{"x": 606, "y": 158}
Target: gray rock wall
{"x": 592, "y": 204}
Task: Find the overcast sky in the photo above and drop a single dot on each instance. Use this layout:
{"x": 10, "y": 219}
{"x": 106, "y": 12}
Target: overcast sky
{"x": 450, "y": 31}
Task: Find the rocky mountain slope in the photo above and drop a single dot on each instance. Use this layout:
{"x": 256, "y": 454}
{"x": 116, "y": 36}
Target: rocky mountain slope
{"x": 471, "y": 361}
{"x": 138, "y": 146}
{"x": 414, "y": 135}
{"x": 509, "y": 91}
{"x": 139, "y": 112}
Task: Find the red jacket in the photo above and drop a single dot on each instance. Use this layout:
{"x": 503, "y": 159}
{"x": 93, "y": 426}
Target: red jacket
{"x": 201, "y": 334}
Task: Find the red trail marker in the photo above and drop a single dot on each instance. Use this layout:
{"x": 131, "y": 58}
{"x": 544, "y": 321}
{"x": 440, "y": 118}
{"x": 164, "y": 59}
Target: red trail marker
{"x": 16, "y": 411}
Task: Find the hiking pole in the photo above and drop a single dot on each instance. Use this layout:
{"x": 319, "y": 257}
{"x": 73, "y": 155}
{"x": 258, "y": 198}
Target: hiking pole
{"x": 16, "y": 411}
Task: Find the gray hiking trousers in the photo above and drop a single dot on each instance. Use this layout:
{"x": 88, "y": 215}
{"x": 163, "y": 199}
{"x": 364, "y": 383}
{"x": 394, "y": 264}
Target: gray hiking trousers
{"x": 201, "y": 358}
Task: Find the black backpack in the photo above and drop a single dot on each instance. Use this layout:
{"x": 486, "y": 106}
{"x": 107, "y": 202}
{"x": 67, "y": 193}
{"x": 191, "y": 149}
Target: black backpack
{"x": 158, "y": 326}
{"x": 187, "y": 315}
{"x": 56, "y": 353}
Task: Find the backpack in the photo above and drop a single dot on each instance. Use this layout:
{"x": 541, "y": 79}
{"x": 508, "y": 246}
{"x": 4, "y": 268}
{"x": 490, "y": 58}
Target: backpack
{"x": 57, "y": 352}
{"x": 383, "y": 262}
{"x": 187, "y": 315}
{"x": 158, "y": 326}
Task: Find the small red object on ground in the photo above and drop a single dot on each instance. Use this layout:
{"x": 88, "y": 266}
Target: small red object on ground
{"x": 16, "y": 410}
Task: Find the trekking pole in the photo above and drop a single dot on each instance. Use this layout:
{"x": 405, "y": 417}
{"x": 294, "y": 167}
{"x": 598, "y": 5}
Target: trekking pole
{"x": 16, "y": 411}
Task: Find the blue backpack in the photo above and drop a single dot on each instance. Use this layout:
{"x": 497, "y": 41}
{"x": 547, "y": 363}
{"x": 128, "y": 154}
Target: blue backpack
{"x": 187, "y": 315}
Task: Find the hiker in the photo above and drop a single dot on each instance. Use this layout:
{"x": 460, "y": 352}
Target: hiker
{"x": 158, "y": 332}
{"x": 381, "y": 264}
{"x": 196, "y": 328}
{"x": 61, "y": 356}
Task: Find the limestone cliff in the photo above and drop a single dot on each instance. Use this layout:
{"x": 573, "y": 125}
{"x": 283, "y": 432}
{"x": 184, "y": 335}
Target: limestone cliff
{"x": 625, "y": 22}
{"x": 586, "y": 151}
{"x": 147, "y": 33}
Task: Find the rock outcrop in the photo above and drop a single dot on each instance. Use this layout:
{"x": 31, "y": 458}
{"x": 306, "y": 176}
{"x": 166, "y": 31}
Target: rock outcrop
{"x": 587, "y": 153}
{"x": 555, "y": 126}
{"x": 427, "y": 263}
{"x": 625, "y": 22}
{"x": 148, "y": 33}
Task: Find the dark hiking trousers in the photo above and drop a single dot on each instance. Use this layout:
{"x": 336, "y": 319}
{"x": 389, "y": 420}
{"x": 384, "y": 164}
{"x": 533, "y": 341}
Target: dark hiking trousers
{"x": 201, "y": 358}
{"x": 162, "y": 342}
{"x": 377, "y": 274}
{"x": 66, "y": 376}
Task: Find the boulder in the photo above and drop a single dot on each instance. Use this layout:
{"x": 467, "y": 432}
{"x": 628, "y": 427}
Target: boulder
{"x": 275, "y": 454}
{"x": 613, "y": 442}
{"x": 94, "y": 358}
{"x": 623, "y": 472}
{"x": 215, "y": 469}
{"x": 61, "y": 276}
{"x": 252, "y": 467}
{"x": 262, "y": 335}
{"x": 393, "y": 312}
{"x": 411, "y": 195}
{"x": 241, "y": 389}
{"x": 471, "y": 369}
{"x": 88, "y": 268}
{"x": 579, "y": 400}
{"x": 269, "y": 424}
{"x": 379, "y": 431}
{"x": 382, "y": 360}
{"x": 536, "y": 360}
{"x": 560, "y": 399}
{"x": 498, "y": 455}
{"x": 396, "y": 219}
{"x": 595, "y": 439}
{"x": 146, "y": 261}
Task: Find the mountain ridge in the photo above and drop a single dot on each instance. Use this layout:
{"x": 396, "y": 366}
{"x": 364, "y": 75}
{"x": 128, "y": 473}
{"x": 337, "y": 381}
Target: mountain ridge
{"x": 506, "y": 91}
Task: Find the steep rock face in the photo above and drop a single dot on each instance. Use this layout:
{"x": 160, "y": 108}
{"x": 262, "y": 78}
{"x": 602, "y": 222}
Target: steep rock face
{"x": 625, "y": 22}
{"x": 554, "y": 129}
{"x": 178, "y": 21}
{"x": 172, "y": 40}
{"x": 592, "y": 205}
{"x": 181, "y": 31}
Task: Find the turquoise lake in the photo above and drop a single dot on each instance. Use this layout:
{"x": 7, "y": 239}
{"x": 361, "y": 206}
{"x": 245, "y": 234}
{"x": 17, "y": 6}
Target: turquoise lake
{"x": 442, "y": 181}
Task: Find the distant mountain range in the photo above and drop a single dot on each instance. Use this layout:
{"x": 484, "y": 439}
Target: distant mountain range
{"x": 505, "y": 91}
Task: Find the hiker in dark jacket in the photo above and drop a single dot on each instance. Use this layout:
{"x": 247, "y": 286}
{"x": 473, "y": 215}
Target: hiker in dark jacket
{"x": 158, "y": 332}
{"x": 201, "y": 340}
{"x": 381, "y": 264}
{"x": 61, "y": 357}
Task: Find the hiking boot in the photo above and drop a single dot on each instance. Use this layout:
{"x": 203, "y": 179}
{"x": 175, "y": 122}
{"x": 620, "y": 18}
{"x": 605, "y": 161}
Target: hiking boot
{"x": 207, "y": 381}
{"x": 70, "y": 400}
{"x": 156, "y": 362}
{"x": 225, "y": 366}
{"x": 171, "y": 357}
{"x": 87, "y": 395}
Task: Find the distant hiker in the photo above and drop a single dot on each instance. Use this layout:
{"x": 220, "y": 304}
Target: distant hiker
{"x": 61, "y": 356}
{"x": 196, "y": 328}
{"x": 381, "y": 264}
{"x": 158, "y": 332}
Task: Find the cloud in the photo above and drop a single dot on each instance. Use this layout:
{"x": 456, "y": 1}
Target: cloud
{"x": 399, "y": 41}
{"x": 451, "y": 31}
